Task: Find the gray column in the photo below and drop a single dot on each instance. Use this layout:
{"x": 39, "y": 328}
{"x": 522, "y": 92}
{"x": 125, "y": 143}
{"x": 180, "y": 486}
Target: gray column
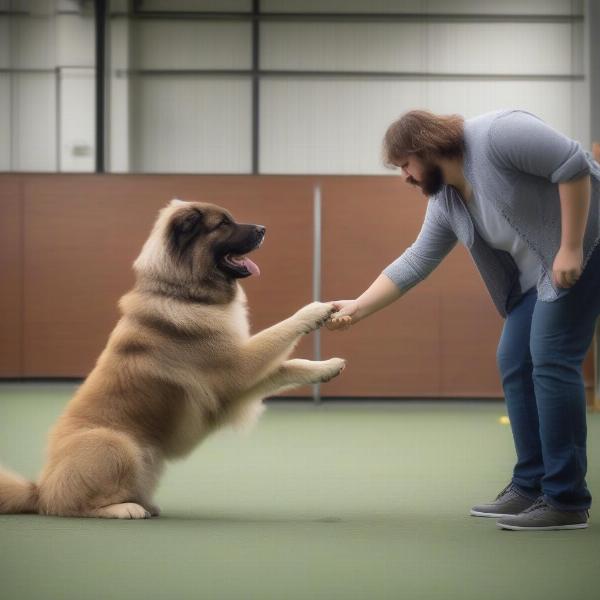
{"x": 317, "y": 278}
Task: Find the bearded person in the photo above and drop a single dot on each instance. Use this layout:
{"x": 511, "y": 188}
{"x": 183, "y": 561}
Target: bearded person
{"x": 524, "y": 199}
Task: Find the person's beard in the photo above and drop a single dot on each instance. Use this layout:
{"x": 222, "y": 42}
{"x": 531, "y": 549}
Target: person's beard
{"x": 432, "y": 179}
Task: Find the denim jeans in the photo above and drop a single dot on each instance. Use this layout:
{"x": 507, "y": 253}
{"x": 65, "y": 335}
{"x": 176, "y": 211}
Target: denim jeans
{"x": 540, "y": 358}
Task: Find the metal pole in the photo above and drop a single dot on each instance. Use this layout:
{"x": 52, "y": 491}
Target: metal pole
{"x": 255, "y": 86}
{"x": 58, "y": 125}
{"x": 100, "y": 11}
{"x": 317, "y": 278}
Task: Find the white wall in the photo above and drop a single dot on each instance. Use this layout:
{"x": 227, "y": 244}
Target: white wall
{"x": 47, "y": 103}
{"x": 118, "y": 109}
{"x": 182, "y": 122}
{"x": 5, "y": 122}
{"x": 197, "y": 5}
{"x": 488, "y": 48}
{"x": 33, "y": 99}
{"x": 75, "y": 44}
{"x": 335, "y": 125}
{"x": 191, "y": 125}
{"x": 192, "y": 44}
{"x": 178, "y": 122}
{"x": 510, "y": 7}
{"x": 77, "y": 125}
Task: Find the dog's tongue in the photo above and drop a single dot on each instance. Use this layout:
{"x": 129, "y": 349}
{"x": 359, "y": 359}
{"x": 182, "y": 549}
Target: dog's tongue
{"x": 251, "y": 266}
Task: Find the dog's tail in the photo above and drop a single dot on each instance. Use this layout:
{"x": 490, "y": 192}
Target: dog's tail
{"x": 16, "y": 494}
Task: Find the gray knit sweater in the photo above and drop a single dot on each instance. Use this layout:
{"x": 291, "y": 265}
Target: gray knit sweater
{"x": 515, "y": 161}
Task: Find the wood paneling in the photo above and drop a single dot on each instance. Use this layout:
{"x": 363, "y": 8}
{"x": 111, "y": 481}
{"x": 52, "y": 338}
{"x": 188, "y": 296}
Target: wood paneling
{"x": 367, "y": 222}
{"x": 83, "y": 233}
{"x": 11, "y": 277}
{"x": 440, "y": 338}
{"x": 67, "y": 243}
{"x": 470, "y": 330}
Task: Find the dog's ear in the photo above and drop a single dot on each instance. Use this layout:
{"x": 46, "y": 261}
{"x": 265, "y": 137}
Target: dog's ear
{"x": 184, "y": 229}
{"x": 178, "y": 202}
{"x": 192, "y": 221}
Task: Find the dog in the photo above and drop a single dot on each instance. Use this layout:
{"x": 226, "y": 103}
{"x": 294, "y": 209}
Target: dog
{"x": 179, "y": 364}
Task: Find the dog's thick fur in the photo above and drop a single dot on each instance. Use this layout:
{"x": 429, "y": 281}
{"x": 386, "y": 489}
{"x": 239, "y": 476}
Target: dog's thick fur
{"x": 179, "y": 364}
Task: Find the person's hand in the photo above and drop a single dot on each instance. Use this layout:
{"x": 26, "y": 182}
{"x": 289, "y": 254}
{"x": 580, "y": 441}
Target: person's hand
{"x": 566, "y": 269}
{"x": 347, "y": 314}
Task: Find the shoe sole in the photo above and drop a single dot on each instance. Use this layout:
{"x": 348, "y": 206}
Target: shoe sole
{"x": 476, "y": 513}
{"x": 549, "y": 528}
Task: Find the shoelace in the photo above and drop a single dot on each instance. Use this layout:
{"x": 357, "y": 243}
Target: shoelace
{"x": 504, "y": 491}
{"x": 539, "y": 504}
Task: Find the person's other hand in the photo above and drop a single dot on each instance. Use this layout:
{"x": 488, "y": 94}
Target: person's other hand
{"x": 566, "y": 268}
{"x": 347, "y": 314}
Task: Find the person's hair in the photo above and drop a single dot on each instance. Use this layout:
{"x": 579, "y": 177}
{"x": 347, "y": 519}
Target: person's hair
{"x": 424, "y": 134}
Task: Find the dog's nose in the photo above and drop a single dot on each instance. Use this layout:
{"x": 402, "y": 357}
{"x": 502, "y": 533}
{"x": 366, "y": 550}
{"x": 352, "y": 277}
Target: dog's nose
{"x": 260, "y": 233}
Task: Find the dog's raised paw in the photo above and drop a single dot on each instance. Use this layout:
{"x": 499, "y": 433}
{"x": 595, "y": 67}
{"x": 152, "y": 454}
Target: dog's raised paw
{"x": 315, "y": 314}
{"x": 334, "y": 367}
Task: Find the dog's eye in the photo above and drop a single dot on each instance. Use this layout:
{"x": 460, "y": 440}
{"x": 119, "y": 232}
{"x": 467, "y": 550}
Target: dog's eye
{"x": 224, "y": 221}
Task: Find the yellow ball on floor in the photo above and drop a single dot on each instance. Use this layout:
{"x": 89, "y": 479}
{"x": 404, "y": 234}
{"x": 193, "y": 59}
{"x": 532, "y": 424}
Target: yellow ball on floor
{"x": 504, "y": 420}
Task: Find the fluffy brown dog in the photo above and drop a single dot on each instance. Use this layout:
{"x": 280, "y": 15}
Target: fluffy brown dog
{"x": 179, "y": 364}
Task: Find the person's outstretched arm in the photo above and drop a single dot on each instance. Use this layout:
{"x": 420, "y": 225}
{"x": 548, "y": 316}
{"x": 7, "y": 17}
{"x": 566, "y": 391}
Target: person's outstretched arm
{"x": 433, "y": 243}
{"x": 381, "y": 292}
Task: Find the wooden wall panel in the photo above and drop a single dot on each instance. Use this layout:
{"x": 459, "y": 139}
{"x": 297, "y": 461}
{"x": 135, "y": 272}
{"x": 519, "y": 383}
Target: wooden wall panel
{"x": 83, "y": 233}
{"x": 470, "y": 330}
{"x": 67, "y": 243}
{"x": 367, "y": 222}
{"x": 11, "y": 277}
{"x": 437, "y": 340}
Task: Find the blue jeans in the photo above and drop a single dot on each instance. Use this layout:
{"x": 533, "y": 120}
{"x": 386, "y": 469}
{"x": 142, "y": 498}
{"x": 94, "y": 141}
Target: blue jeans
{"x": 540, "y": 358}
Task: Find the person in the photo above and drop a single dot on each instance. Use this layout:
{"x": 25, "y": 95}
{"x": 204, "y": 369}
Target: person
{"x": 524, "y": 199}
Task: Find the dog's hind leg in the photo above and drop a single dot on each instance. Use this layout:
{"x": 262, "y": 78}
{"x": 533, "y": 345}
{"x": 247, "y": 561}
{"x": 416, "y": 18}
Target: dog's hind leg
{"x": 124, "y": 510}
{"x": 93, "y": 474}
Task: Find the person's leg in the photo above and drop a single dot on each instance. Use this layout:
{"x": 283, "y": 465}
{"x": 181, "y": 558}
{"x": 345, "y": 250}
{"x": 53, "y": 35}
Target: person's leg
{"x": 561, "y": 334}
{"x": 515, "y": 366}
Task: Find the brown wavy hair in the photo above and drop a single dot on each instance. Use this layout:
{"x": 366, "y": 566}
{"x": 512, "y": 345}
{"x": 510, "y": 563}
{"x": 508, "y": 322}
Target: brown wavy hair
{"x": 424, "y": 134}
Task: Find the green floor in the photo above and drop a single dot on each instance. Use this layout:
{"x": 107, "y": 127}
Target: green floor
{"x": 334, "y": 501}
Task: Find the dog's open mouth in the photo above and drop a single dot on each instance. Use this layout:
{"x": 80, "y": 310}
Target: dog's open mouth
{"x": 242, "y": 264}
{"x": 232, "y": 255}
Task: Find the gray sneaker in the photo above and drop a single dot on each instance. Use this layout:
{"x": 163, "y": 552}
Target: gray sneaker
{"x": 508, "y": 502}
{"x": 543, "y": 517}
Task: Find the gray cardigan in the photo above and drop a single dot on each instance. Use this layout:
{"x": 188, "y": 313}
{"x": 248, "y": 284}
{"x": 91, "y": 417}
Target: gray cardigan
{"x": 515, "y": 161}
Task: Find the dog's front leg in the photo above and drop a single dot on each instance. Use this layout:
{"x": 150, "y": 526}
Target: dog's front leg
{"x": 264, "y": 351}
{"x": 291, "y": 374}
{"x": 295, "y": 373}
{"x": 299, "y": 371}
